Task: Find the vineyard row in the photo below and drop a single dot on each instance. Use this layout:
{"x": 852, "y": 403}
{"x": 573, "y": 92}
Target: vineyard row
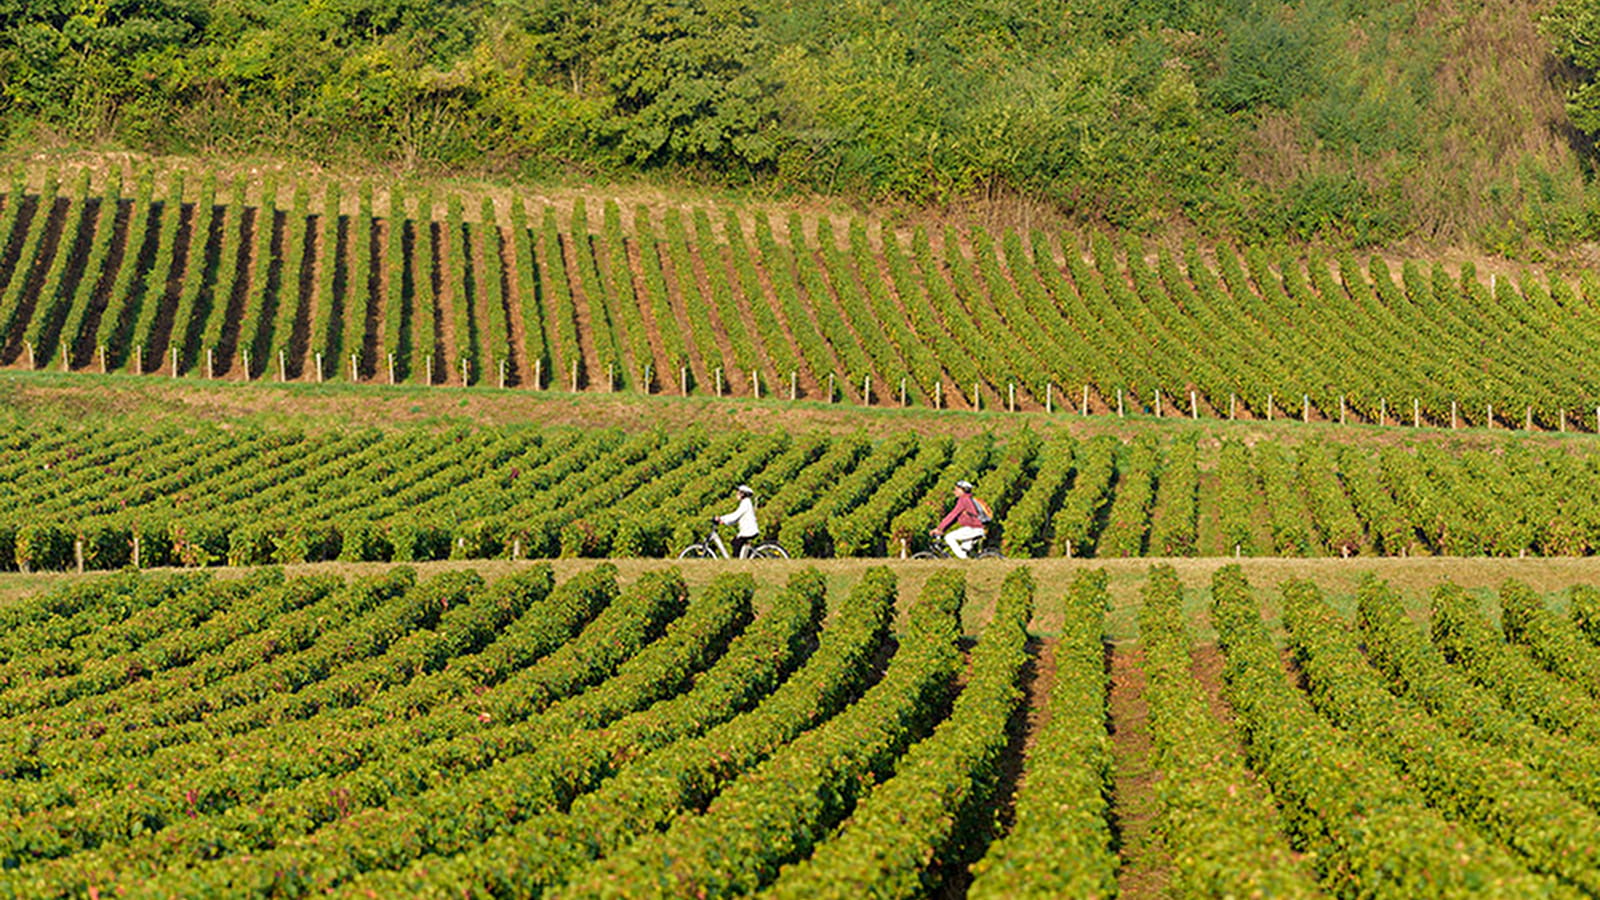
{"x": 184, "y": 276}
{"x": 104, "y": 498}
{"x": 395, "y": 736}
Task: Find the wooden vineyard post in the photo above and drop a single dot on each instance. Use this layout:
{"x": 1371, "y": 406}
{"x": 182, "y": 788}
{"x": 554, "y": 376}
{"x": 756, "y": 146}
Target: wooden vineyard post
{"x": 1488, "y": 415}
{"x": 1067, "y": 546}
{"x": 1563, "y": 421}
{"x": 755, "y": 383}
{"x": 1011, "y": 396}
{"x": 246, "y": 355}
{"x": 77, "y": 553}
{"x": 1084, "y": 409}
{"x": 1416, "y": 413}
{"x": 538, "y": 374}
{"x": 66, "y": 358}
{"x": 136, "y": 548}
{"x": 102, "y": 359}
{"x": 283, "y": 367}
{"x": 319, "y": 365}
{"x": 938, "y": 395}
{"x": 719, "y": 382}
{"x": 1529, "y": 425}
{"x": 1305, "y": 408}
{"x": 1233, "y": 402}
{"x": 574, "y": 376}
{"x": 1194, "y": 405}
{"x": 1452, "y": 415}
{"x": 174, "y": 355}
{"x": 830, "y": 387}
{"x": 138, "y": 359}
{"x": 502, "y": 375}
{"x": 1269, "y": 407}
{"x": 1048, "y": 406}
{"x": 1158, "y": 403}
{"x": 977, "y": 401}
{"x": 355, "y": 368}
{"x": 1120, "y": 410}
{"x": 866, "y": 390}
{"x": 1383, "y": 410}
{"x": 28, "y": 345}
{"x": 391, "y": 368}
{"x": 1342, "y": 420}
{"x": 794, "y": 385}
{"x": 611, "y": 377}
{"x": 648, "y": 375}
{"x": 683, "y": 380}
{"x": 903, "y": 395}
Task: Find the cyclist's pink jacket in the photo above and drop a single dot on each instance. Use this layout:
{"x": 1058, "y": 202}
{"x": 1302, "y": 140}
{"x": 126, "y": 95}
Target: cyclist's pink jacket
{"x": 965, "y": 513}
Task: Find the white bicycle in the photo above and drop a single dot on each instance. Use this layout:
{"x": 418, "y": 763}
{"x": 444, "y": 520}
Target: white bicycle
{"x": 713, "y": 548}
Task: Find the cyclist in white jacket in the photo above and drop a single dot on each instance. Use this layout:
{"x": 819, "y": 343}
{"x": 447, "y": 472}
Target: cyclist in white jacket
{"x": 744, "y": 516}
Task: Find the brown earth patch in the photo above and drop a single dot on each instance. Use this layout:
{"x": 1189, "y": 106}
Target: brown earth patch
{"x": 1145, "y": 866}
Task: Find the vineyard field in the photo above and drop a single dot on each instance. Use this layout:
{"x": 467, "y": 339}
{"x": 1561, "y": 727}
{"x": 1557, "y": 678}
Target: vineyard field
{"x": 795, "y": 735}
{"x": 106, "y": 496}
{"x": 286, "y": 279}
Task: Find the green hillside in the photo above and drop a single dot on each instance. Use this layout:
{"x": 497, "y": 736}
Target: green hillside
{"x": 1357, "y": 121}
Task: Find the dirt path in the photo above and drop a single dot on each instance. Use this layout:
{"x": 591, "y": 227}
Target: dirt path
{"x": 1144, "y": 871}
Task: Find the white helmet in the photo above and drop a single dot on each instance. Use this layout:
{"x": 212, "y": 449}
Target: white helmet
{"x": 746, "y": 489}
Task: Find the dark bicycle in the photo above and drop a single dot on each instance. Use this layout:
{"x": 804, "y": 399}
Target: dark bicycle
{"x": 713, "y": 548}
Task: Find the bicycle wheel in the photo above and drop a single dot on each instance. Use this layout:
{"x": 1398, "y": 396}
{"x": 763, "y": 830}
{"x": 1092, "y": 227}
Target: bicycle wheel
{"x": 697, "y": 551}
{"x": 769, "y": 551}
{"x": 926, "y": 554}
{"x": 989, "y": 553}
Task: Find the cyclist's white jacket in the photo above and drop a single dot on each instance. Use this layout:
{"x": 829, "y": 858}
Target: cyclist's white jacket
{"x": 744, "y": 517}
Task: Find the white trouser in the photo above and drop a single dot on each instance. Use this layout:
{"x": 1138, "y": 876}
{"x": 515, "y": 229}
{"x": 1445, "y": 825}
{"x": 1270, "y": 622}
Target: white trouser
{"x": 961, "y": 538}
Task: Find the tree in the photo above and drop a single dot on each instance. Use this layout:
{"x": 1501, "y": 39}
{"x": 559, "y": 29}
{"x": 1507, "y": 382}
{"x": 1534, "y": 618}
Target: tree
{"x": 1574, "y": 27}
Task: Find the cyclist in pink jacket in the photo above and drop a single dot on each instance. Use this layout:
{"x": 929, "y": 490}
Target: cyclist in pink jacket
{"x": 967, "y": 518}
